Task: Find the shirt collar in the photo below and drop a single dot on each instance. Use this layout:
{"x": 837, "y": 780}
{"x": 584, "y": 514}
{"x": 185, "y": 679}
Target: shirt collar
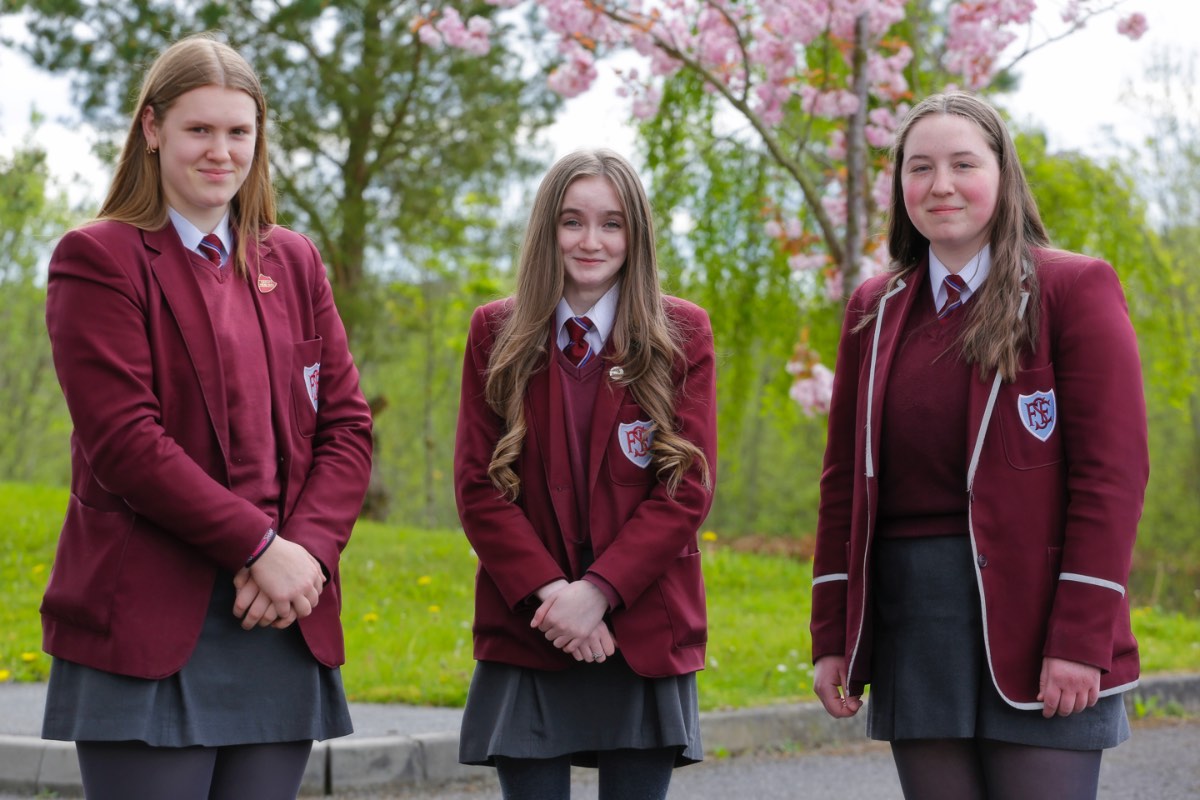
{"x": 974, "y": 273}
{"x": 190, "y": 235}
{"x": 603, "y": 316}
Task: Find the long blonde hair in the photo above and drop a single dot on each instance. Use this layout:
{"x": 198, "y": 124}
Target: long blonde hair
{"x": 136, "y": 194}
{"x": 995, "y": 333}
{"x": 644, "y": 338}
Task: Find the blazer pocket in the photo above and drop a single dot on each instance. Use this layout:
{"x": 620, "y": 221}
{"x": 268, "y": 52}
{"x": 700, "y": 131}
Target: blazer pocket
{"x": 306, "y": 385}
{"x": 682, "y": 588}
{"x": 1029, "y": 419}
{"x": 628, "y": 450}
{"x": 87, "y": 565}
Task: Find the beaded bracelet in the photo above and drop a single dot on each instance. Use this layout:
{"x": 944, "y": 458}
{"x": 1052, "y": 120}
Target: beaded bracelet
{"x": 263, "y": 544}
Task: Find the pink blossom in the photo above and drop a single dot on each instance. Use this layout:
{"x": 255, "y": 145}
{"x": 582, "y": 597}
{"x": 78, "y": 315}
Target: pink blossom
{"x": 814, "y": 392}
{"x": 576, "y": 73}
{"x": 835, "y": 285}
{"x": 881, "y": 188}
{"x": 805, "y": 262}
{"x": 1134, "y": 26}
{"x": 774, "y": 229}
{"x": 835, "y": 207}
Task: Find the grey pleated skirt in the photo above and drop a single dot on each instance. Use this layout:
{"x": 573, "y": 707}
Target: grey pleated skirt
{"x": 527, "y": 713}
{"x": 929, "y": 672}
{"x": 238, "y": 687}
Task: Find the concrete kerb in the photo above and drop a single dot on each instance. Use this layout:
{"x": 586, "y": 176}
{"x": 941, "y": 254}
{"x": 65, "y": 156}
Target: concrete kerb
{"x": 32, "y": 765}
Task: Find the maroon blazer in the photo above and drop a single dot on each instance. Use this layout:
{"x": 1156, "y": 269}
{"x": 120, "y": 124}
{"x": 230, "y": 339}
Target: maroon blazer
{"x": 1058, "y": 476}
{"x": 150, "y": 517}
{"x": 645, "y": 542}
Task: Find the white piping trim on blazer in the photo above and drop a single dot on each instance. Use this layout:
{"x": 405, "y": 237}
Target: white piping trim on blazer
{"x": 1075, "y": 576}
{"x": 900, "y": 284}
{"x": 833, "y": 576}
{"x": 979, "y": 437}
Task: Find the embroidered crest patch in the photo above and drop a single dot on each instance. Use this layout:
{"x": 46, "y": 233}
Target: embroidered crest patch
{"x": 635, "y": 439}
{"x": 312, "y": 382}
{"x": 1038, "y": 413}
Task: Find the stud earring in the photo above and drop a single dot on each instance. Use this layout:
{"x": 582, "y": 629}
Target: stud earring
{"x": 150, "y": 150}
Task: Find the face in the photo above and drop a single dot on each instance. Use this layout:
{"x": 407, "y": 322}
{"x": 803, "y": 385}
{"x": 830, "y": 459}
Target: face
{"x": 951, "y": 181}
{"x": 593, "y": 238}
{"x": 205, "y": 146}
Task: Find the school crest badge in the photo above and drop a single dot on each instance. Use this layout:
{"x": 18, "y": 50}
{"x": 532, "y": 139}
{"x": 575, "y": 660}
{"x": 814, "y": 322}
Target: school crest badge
{"x": 312, "y": 382}
{"x": 1038, "y": 413}
{"x": 635, "y": 439}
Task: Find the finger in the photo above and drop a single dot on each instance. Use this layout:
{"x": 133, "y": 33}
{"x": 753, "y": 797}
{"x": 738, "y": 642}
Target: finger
{"x": 255, "y": 612}
{"x": 244, "y": 597}
{"x": 283, "y": 622}
{"x": 541, "y": 612}
{"x": 301, "y": 608}
{"x": 269, "y": 616}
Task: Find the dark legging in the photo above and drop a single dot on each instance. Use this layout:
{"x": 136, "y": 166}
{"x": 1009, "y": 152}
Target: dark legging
{"x": 124, "y": 770}
{"x": 624, "y": 775}
{"x": 985, "y": 769}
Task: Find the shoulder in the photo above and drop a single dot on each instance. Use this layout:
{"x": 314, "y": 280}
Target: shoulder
{"x": 289, "y": 245}
{"x": 1061, "y": 274}
{"x": 684, "y": 312}
{"x": 489, "y": 318}
{"x": 106, "y": 231}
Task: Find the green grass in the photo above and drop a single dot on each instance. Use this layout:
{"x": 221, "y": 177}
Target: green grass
{"x": 408, "y": 604}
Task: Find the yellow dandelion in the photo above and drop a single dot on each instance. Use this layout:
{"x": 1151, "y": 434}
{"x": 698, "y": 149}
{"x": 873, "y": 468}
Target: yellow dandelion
{"x": 29, "y": 658}
{"x": 38, "y": 569}
{"x": 435, "y": 609}
{"x": 709, "y": 536}
{"x": 424, "y": 580}
{"x": 370, "y": 617}
{"x": 4, "y": 675}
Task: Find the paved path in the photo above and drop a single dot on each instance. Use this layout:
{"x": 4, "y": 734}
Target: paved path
{"x": 411, "y": 752}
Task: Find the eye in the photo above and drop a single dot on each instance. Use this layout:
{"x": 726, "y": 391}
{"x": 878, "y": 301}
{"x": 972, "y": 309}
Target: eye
{"x": 613, "y": 224}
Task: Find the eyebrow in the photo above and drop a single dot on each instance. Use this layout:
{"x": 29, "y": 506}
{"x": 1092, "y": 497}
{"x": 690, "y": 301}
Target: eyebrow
{"x": 955, "y": 154}
{"x": 613, "y": 213}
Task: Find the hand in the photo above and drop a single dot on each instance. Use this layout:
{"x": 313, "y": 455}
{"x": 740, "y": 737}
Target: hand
{"x": 289, "y": 577}
{"x": 1067, "y": 687}
{"x": 253, "y": 607}
{"x": 571, "y": 613}
{"x": 595, "y": 647}
{"x": 829, "y": 678}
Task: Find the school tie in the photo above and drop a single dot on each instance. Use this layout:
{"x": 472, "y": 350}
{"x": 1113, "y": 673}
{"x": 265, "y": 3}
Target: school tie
{"x": 578, "y": 350}
{"x": 954, "y": 287}
{"x": 211, "y": 248}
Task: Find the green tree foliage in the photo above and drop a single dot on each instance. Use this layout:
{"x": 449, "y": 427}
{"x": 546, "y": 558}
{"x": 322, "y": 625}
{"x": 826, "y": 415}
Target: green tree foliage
{"x": 391, "y": 155}
{"x": 34, "y": 425}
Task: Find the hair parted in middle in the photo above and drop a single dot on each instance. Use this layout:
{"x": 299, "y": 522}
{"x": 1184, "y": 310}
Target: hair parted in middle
{"x": 644, "y": 338}
{"x": 136, "y": 195}
{"x": 994, "y": 333}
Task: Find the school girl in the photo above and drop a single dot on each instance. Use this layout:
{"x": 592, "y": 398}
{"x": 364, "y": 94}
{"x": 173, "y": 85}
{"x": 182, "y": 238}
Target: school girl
{"x": 220, "y": 455}
{"x": 583, "y": 470}
{"x": 984, "y": 475}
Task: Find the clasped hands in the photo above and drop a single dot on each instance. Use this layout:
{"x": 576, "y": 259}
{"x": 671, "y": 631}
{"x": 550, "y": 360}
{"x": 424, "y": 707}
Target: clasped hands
{"x": 282, "y": 586}
{"x": 572, "y": 618}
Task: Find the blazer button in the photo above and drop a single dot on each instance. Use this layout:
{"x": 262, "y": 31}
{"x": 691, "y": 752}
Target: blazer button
{"x": 982, "y": 561}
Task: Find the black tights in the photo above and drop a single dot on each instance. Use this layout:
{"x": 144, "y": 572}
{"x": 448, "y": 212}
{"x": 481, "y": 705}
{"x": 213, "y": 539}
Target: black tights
{"x": 985, "y": 769}
{"x": 124, "y": 770}
{"x": 624, "y": 775}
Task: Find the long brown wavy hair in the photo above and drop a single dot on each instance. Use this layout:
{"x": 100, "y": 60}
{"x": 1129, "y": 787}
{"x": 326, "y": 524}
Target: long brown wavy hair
{"x": 644, "y": 338}
{"x": 995, "y": 333}
{"x": 136, "y": 194}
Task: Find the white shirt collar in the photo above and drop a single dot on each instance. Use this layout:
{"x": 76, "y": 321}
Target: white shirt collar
{"x": 974, "y": 273}
{"x": 190, "y": 235}
{"x": 603, "y": 316}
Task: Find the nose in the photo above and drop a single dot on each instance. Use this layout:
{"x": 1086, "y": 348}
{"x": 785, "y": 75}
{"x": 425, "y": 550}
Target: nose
{"x": 219, "y": 149}
{"x": 591, "y": 239}
{"x": 943, "y": 182}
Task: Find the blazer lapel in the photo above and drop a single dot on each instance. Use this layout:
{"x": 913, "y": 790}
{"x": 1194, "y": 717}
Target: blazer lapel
{"x": 609, "y": 398}
{"x": 176, "y": 276}
{"x": 896, "y": 311}
{"x": 544, "y": 403}
{"x": 273, "y": 318}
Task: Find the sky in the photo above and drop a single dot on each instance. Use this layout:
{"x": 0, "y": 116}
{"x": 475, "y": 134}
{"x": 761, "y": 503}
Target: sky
{"x": 1072, "y": 89}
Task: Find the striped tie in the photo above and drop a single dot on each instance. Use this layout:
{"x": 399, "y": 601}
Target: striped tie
{"x": 211, "y": 248}
{"x": 954, "y": 286}
{"x": 578, "y": 350}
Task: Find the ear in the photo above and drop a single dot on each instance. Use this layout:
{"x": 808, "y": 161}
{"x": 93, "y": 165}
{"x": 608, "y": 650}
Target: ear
{"x": 150, "y": 127}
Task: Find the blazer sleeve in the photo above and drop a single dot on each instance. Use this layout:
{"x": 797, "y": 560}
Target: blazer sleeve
{"x": 336, "y": 482}
{"x": 503, "y": 538}
{"x": 97, "y": 318}
{"x": 662, "y": 526}
{"x": 1102, "y": 412}
{"x": 835, "y": 512}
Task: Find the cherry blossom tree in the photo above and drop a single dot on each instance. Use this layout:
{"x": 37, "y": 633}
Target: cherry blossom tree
{"x": 820, "y": 85}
